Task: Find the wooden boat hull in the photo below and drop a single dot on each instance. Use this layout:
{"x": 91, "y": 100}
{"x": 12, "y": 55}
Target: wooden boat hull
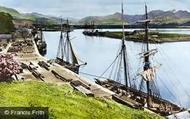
{"x": 137, "y": 99}
{"x": 93, "y": 33}
{"x": 73, "y": 68}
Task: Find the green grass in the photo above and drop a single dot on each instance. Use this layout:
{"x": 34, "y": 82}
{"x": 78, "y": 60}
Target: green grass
{"x": 64, "y": 102}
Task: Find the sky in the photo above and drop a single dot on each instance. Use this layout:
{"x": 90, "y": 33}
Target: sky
{"x": 82, "y": 8}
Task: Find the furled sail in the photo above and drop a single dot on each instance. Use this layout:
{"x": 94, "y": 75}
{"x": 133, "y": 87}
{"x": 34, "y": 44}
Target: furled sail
{"x": 60, "y": 53}
{"x": 74, "y": 58}
{"x": 149, "y": 74}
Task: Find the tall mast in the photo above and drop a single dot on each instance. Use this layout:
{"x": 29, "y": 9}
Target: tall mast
{"x": 68, "y": 39}
{"x": 61, "y": 40}
{"x": 41, "y": 32}
{"x": 146, "y": 57}
{"x": 69, "y": 45}
{"x": 67, "y": 29}
{"x": 146, "y": 29}
{"x": 124, "y": 47}
{"x": 61, "y": 29}
{"x": 61, "y": 44}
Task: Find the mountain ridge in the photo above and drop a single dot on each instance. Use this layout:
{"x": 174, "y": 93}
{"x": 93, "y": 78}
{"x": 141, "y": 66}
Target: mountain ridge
{"x": 34, "y": 16}
{"x": 157, "y": 17}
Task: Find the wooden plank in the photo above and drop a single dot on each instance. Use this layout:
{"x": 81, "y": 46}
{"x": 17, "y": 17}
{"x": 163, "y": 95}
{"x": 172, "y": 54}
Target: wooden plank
{"x": 128, "y": 102}
{"x": 60, "y": 77}
{"x": 78, "y": 82}
{"x": 84, "y": 90}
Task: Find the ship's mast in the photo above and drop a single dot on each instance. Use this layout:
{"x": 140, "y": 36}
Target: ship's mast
{"x": 61, "y": 29}
{"x": 68, "y": 40}
{"x": 40, "y": 29}
{"x": 124, "y": 48}
{"x": 61, "y": 38}
{"x": 70, "y": 48}
{"x": 65, "y": 47}
{"x": 146, "y": 58}
{"x": 41, "y": 34}
{"x": 61, "y": 44}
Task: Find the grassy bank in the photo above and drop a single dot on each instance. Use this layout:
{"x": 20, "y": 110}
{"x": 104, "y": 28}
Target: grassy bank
{"x": 154, "y": 37}
{"x": 64, "y": 102}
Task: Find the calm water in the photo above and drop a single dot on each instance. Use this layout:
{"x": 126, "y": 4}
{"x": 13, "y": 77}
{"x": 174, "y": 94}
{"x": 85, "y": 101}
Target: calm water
{"x": 99, "y": 53}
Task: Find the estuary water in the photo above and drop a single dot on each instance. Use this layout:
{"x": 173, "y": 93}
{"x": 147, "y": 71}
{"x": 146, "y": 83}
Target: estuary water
{"x": 173, "y": 76}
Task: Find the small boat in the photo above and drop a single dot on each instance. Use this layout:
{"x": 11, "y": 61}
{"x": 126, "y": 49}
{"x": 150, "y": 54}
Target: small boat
{"x": 90, "y": 29}
{"x": 141, "y": 92}
{"x": 65, "y": 55}
{"x": 40, "y": 42}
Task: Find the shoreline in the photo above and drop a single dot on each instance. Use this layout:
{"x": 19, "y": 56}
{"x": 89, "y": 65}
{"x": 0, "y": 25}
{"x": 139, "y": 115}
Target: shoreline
{"x": 138, "y": 36}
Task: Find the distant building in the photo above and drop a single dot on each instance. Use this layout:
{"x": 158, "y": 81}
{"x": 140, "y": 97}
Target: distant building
{"x": 22, "y": 23}
{"x": 5, "y": 36}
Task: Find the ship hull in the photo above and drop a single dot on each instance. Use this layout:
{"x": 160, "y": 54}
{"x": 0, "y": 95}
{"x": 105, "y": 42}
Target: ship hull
{"x": 93, "y": 33}
{"x": 68, "y": 65}
{"x": 137, "y": 99}
{"x": 42, "y": 48}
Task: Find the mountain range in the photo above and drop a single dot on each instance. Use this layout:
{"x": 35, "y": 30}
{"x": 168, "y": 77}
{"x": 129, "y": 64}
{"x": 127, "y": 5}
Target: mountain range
{"x": 158, "y": 17}
{"x": 29, "y": 16}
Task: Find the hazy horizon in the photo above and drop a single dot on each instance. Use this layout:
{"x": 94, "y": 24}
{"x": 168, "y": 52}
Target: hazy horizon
{"x": 83, "y": 8}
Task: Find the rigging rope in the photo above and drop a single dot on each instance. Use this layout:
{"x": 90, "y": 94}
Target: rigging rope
{"x": 169, "y": 91}
{"x": 110, "y": 65}
{"x": 92, "y": 75}
{"x": 171, "y": 70}
{"x": 111, "y": 72}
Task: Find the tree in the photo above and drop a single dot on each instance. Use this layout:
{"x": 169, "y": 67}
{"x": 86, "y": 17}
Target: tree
{"x": 6, "y": 23}
{"x": 8, "y": 66}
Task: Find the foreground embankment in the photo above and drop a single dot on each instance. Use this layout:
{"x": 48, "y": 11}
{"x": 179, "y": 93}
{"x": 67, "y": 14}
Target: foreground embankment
{"x": 64, "y": 102}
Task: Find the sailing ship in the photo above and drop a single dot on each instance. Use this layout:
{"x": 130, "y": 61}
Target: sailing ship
{"x": 65, "y": 55}
{"x": 90, "y": 29}
{"x": 132, "y": 93}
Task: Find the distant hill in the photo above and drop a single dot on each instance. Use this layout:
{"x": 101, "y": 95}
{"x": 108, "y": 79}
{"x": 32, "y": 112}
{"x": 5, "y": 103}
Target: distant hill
{"x": 6, "y": 24}
{"x": 158, "y": 17}
{"x": 11, "y": 11}
{"x": 110, "y": 19}
{"x": 32, "y": 16}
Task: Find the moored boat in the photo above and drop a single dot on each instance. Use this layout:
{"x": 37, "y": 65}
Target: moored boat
{"x": 141, "y": 92}
{"x": 40, "y": 41}
{"x": 65, "y": 55}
